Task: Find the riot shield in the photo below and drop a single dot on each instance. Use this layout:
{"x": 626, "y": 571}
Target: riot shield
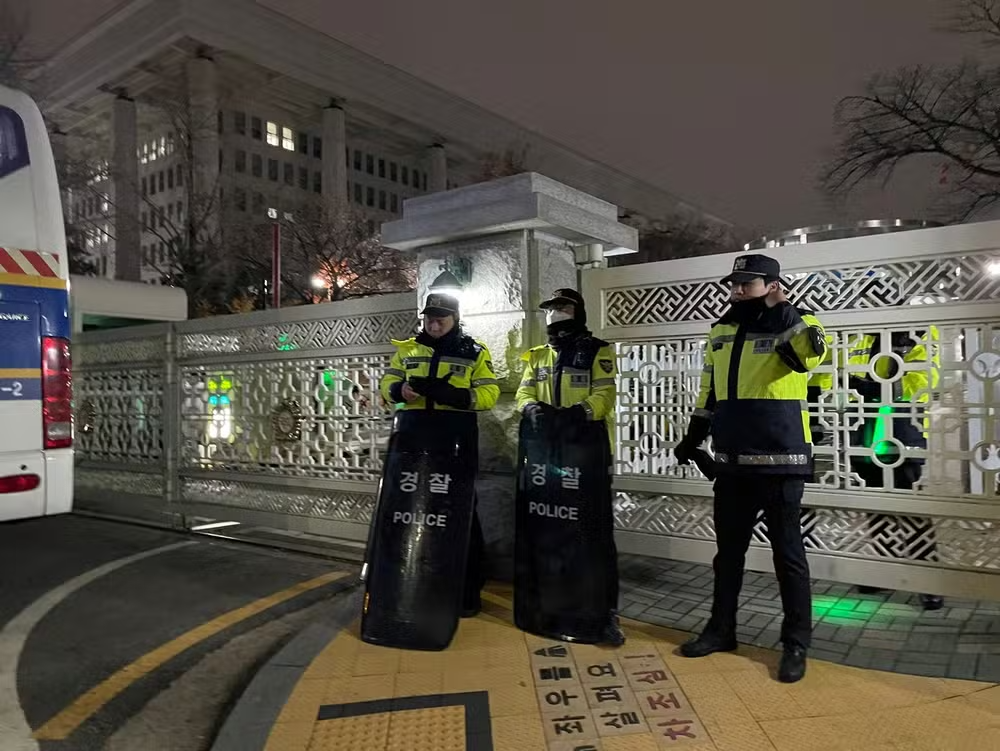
{"x": 564, "y": 532}
{"x": 419, "y": 538}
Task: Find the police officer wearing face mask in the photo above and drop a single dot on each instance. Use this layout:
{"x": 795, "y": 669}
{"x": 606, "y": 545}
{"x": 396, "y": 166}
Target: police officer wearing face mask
{"x": 569, "y": 384}
{"x": 752, "y": 402}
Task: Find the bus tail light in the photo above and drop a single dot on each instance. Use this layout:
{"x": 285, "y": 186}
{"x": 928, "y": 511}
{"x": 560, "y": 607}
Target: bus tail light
{"x": 19, "y": 483}
{"x": 57, "y": 393}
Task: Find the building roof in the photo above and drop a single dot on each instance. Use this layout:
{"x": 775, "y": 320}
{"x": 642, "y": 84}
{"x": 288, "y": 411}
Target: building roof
{"x": 130, "y": 46}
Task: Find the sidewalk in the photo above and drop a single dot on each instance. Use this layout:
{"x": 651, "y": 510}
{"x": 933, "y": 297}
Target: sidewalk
{"x": 497, "y": 688}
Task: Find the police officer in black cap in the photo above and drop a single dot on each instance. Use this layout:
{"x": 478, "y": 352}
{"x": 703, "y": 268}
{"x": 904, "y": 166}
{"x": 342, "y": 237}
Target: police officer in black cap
{"x": 752, "y": 401}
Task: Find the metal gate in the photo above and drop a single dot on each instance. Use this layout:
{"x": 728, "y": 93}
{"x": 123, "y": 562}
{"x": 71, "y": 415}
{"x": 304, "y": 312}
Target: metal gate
{"x": 941, "y": 535}
{"x": 270, "y": 419}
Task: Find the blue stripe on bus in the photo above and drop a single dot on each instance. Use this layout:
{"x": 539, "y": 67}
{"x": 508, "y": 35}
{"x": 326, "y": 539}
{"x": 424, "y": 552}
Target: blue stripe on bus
{"x": 20, "y": 389}
{"x": 53, "y": 305}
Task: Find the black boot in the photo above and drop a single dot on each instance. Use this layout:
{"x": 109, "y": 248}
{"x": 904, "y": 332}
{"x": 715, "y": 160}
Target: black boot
{"x": 613, "y": 634}
{"x": 471, "y": 608}
{"x": 932, "y": 602}
{"x": 793, "y": 665}
{"x": 706, "y": 644}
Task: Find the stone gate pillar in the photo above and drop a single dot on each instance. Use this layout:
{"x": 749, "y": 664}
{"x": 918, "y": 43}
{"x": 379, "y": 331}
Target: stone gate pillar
{"x": 516, "y": 239}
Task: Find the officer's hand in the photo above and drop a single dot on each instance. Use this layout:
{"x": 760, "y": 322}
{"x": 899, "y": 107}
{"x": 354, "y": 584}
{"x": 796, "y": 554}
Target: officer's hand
{"x": 684, "y": 451}
{"x": 409, "y": 394}
{"x": 574, "y": 416}
{"x": 776, "y": 296}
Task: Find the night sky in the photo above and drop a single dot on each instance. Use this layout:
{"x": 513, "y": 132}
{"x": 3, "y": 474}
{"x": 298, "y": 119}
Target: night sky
{"x": 727, "y": 104}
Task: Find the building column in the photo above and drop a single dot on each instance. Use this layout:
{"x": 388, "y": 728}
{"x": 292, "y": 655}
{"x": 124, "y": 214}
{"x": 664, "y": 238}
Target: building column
{"x": 437, "y": 169}
{"x": 334, "y": 155}
{"x": 125, "y": 189}
{"x": 203, "y": 127}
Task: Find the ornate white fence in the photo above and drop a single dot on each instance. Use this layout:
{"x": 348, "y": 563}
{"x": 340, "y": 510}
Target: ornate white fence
{"x": 940, "y": 535}
{"x": 271, "y": 418}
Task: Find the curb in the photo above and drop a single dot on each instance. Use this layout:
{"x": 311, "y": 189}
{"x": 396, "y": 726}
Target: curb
{"x": 249, "y": 724}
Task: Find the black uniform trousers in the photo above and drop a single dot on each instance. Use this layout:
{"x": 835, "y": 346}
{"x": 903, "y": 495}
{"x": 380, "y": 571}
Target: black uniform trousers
{"x": 739, "y": 501}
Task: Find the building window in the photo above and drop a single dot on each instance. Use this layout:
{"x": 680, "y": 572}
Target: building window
{"x": 287, "y": 139}
{"x": 220, "y": 160}
{"x": 241, "y": 160}
{"x": 317, "y": 147}
{"x": 369, "y": 164}
{"x": 152, "y": 185}
{"x": 423, "y": 179}
{"x": 180, "y": 176}
{"x": 256, "y": 129}
{"x": 358, "y": 193}
{"x": 170, "y": 212}
{"x": 145, "y": 187}
{"x": 272, "y": 170}
{"x": 381, "y": 200}
{"x": 240, "y": 123}
{"x": 220, "y": 120}
{"x": 370, "y": 197}
{"x": 241, "y": 199}
{"x": 394, "y": 203}
{"x": 162, "y": 181}
{"x": 170, "y": 179}
{"x": 406, "y": 175}
{"x": 303, "y": 178}
{"x": 272, "y": 134}
{"x": 180, "y": 211}
{"x": 393, "y": 173}
{"x": 257, "y": 165}
{"x": 357, "y": 160}
{"x": 258, "y": 204}
{"x": 304, "y": 143}
{"x": 317, "y": 182}
{"x": 289, "y": 174}
{"x": 381, "y": 168}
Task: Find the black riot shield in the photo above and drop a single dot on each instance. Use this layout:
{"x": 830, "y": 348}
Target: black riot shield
{"x": 419, "y": 538}
{"x": 564, "y": 532}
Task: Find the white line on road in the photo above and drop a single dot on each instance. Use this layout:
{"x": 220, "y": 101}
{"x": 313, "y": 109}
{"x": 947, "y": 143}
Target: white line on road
{"x": 15, "y": 733}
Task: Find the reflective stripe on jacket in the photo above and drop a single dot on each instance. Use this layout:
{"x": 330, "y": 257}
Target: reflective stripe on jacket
{"x": 753, "y": 389}
{"x": 469, "y": 365}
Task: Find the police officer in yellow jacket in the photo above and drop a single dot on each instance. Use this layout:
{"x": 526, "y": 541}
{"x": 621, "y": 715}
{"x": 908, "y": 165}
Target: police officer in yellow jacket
{"x": 752, "y": 402}
{"x": 446, "y": 371}
{"x": 570, "y": 382}
{"x": 902, "y": 424}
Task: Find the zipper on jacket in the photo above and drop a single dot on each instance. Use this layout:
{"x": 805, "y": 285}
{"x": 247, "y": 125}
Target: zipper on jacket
{"x": 432, "y": 373}
{"x": 732, "y": 387}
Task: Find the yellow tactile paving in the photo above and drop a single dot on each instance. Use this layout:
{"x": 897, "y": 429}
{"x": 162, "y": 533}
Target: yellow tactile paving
{"x": 545, "y": 695}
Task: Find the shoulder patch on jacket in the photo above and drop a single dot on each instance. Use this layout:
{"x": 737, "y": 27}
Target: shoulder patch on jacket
{"x": 607, "y": 366}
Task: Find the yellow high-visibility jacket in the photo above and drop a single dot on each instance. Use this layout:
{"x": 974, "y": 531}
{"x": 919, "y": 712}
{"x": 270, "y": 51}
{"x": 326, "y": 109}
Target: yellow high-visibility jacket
{"x": 589, "y": 380}
{"x": 753, "y": 390}
{"x": 467, "y": 361}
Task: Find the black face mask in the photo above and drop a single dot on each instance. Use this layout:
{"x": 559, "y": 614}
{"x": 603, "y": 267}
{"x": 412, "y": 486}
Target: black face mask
{"x": 745, "y": 311}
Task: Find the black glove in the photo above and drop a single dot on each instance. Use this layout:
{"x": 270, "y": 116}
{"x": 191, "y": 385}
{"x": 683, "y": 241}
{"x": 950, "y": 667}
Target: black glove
{"x": 420, "y": 384}
{"x": 538, "y": 413}
{"x": 868, "y": 388}
{"x": 442, "y": 392}
{"x": 697, "y": 432}
{"x": 572, "y": 417}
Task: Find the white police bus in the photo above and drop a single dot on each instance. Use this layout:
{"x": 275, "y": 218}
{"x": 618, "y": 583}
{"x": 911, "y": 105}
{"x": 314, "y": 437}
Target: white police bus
{"x": 36, "y": 424}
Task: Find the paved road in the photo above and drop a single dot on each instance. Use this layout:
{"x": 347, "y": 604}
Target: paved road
{"x": 139, "y": 636}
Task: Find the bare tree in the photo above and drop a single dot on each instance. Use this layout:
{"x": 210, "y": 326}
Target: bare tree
{"x": 979, "y": 18}
{"x": 510, "y": 161}
{"x": 948, "y": 114}
{"x": 329, "y": 253}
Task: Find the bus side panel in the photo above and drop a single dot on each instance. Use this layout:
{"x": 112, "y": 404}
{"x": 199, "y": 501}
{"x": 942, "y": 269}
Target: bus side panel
{"x": 58, "y": 481}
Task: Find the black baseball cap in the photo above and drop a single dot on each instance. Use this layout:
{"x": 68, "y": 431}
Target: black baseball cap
{"x": 563, "y": 297}
{"x": 755, "y": 266}
{"x": 439, "y": 304}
